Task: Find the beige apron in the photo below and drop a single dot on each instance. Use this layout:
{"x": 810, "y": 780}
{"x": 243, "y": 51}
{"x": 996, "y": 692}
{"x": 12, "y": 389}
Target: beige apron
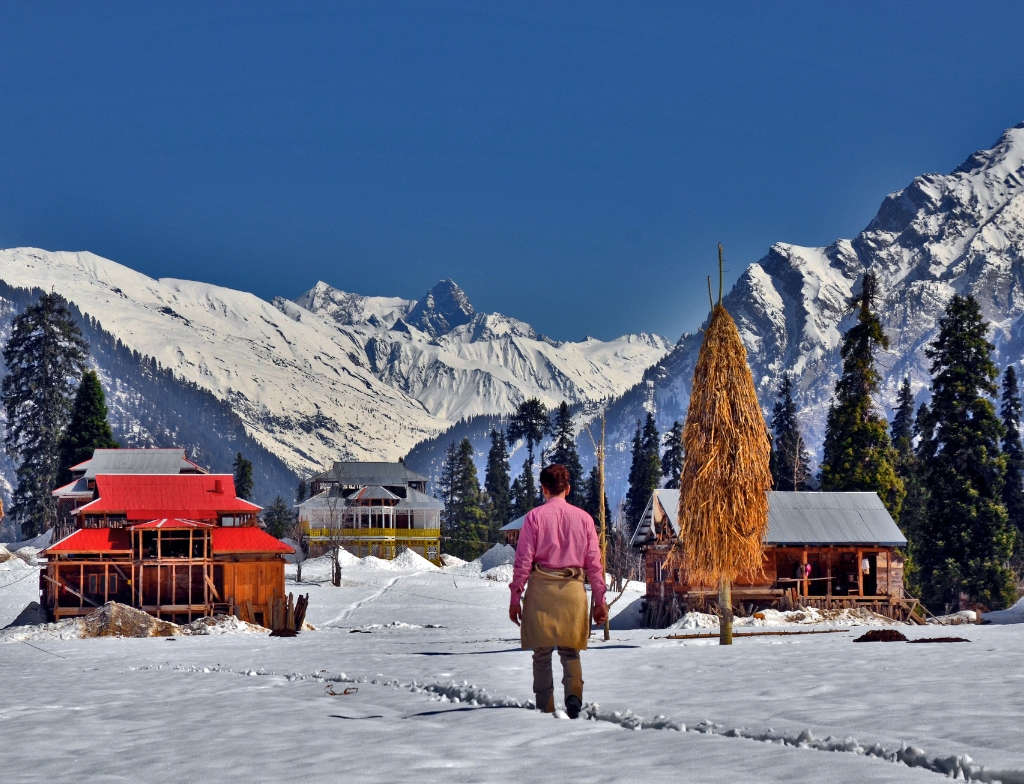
{"x": 555, "y": 610}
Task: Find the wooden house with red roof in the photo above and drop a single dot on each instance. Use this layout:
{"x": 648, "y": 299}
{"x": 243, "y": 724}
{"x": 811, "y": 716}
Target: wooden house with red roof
{"x": 178, "y": 546}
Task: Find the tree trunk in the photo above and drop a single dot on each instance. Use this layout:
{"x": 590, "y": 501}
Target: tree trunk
{"x": 725, "y": 607}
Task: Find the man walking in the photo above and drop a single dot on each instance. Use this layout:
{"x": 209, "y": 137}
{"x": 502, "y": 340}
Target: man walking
{"x": 557, "y": 546}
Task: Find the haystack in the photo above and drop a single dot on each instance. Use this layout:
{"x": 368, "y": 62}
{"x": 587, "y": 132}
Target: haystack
{"x": 723, "y": 499}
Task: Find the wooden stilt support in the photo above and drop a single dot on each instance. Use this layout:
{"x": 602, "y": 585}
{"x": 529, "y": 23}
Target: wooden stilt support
{"x": 725, "y": 607}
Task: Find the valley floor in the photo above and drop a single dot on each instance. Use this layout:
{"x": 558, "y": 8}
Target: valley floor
{"x": 440, "y": 680}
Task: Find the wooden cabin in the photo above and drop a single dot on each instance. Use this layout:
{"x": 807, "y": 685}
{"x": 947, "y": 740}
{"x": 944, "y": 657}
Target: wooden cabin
{"x": 824, "y": 550}
{"x": 178, "y": 546}
{"x": 371, "y": 509}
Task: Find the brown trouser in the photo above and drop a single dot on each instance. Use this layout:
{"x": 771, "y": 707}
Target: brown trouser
{"x": 543, "y": 685}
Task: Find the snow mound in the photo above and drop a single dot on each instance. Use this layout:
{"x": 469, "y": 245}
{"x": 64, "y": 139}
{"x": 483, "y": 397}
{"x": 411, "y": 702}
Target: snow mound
{"x": 451, "y": 560}
{"x": 500, "y": 574}
{"x": 373, "y": 562}
{"x": 32, "y": 615}
{"x": 496, "y": 556}
{"x": 110, "y": 620}
{"x": 696, "y": 620}
{"x": 848, "y": 616}
{"x": 15, "y": 562}
{"x": 955, "y": 619}
{"x": 221, "y": 624}
{"x": 410, "y": 559}
{"x": 1014, "y": 614}
{"x": 29, "y": 555}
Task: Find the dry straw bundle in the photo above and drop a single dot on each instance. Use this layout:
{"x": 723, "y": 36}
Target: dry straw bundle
{"x": 723, "y": 501}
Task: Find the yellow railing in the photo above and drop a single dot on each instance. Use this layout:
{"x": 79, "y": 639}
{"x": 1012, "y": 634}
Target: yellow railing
{"x": 347, "y": 534}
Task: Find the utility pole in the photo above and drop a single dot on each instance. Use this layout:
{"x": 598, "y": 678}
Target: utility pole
{"x": 602, "y": 520}
{"x": 602, "y": 517}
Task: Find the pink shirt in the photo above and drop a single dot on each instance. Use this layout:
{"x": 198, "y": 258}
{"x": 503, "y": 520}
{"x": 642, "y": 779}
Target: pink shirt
{"x": 558, "y": 535}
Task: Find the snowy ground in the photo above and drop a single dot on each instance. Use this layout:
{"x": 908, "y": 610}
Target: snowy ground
{"x": 413, "y": 639}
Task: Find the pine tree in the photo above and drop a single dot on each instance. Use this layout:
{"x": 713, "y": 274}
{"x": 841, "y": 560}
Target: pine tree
{"x": 564, "y": 452}
{"x": 1013, "y": 487}
{"x": 467, "y": 523}
{"x": 496, "y": 482}
{"x": 521, "y": 503}
{"x": 530, "y": 423}
{"x": 645, "y": 471}
{"x": 857, "y": 452}
{"x": 446, "y": 483}
{"x": 902, "y": 430}
{"x": 278, "y": 518}
{"x": 243, "y": 477}
{"x": 965, "y": 542}
{"x": 790, "y": 460}
{"x": 45, "y": 357}
{"x": 88, "y": 429}
{"x": 672, "y": 457}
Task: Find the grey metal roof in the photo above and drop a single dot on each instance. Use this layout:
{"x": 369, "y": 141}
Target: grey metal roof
{"x": 831, "y": 518}
{"x": 353, "y": 474}
{"x": 810, "y": 518}
{"x": 414, "y": 499}
{"x": 137, "y": 461}
{"x": 515, "y": 525}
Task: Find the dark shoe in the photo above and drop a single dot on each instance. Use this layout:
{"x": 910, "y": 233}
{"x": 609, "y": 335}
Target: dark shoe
{"x": 573, "y": 706}
{"x": 546, "y": 705}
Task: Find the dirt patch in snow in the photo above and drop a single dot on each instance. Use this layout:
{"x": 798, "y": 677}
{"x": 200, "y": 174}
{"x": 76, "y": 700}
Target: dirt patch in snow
{"x": 940, "y": 639}
{"x": 882, "y": 635}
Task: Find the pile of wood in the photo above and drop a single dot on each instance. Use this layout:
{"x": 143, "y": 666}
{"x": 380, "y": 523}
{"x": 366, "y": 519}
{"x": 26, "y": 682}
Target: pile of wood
{"x": 284, "y": 617}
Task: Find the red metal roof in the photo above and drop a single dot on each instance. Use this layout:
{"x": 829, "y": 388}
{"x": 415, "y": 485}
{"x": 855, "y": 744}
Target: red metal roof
{"x": 153, "y": 496}
{"x": 167, "y": 523}
{"x": 93, "y": 540}
{"x": 246, "y": 540}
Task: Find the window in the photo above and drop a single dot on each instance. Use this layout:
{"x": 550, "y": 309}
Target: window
{"x": 658, "y": 576}
{"x": 94, "y": 583}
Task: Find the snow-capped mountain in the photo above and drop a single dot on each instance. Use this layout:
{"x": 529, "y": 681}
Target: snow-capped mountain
{"x": 942, "y": 234}
{"x": 460, "y": 363}
{"x": 334, "y": 375}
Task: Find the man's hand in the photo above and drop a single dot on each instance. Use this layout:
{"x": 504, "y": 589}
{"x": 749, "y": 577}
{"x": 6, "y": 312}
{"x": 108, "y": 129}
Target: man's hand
{"x": 600, "y": 613}
{"x": 515, "y": 613}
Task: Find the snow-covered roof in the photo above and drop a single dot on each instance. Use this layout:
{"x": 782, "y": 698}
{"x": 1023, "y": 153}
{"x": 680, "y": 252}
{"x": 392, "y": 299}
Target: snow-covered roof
{"x": 801, "y": 519}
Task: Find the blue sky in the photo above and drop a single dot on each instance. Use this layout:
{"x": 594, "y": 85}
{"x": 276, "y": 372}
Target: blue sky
{"x": 571, "y": 164}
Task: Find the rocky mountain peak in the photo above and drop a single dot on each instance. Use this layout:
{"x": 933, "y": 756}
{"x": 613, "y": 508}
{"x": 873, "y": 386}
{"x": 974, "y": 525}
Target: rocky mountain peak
{"x": 441, "y": 310}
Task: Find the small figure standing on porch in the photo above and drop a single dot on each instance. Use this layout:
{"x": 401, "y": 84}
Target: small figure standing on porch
{"x": 557, "y": 546}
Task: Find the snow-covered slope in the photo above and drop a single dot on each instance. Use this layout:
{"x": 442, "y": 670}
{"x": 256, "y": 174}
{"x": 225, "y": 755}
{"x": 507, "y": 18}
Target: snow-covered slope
{"x": 962, "y": 232}
{"x": 334, "y": 375}
{"x": 460, "y": 363}
{"x": 303, "y": 391}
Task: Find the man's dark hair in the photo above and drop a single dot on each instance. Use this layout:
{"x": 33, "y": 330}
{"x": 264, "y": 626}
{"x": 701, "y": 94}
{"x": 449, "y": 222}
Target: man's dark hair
{"x": 555, "y": 478}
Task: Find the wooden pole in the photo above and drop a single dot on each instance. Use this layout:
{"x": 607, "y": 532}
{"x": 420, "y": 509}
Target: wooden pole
{"x": 720, "y": 274}
{"x": 725, "y": 607}
{"x": 604, "y": 522}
